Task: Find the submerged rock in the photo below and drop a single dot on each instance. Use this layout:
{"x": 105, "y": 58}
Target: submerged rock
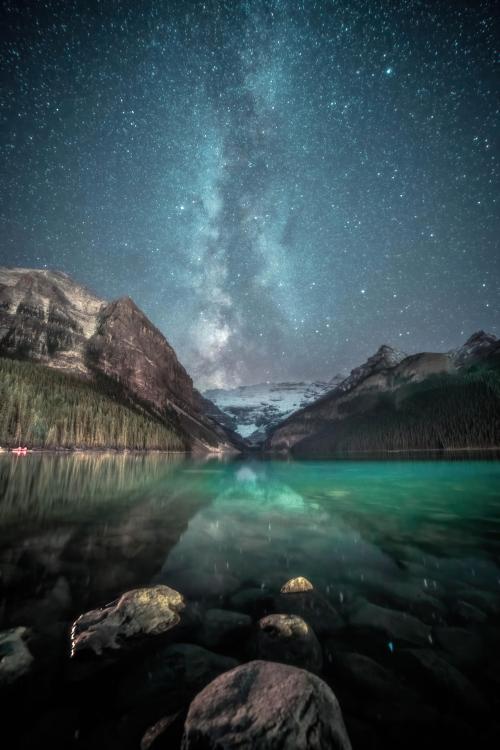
{"x": 438, "y": 676}
{"x": 141, "y": 612}
{"x": 464, "y": 647}
{"x": 468, "y": 613}
{"x": 222, "y": 627}
{"x": 365, "y": 675}
{"x": 253, "y": 601}
{"x": 263, "y": 706}
{"x": 394, "y": 625}
{"x": 314, "y": 608}
{"x": 15, "y": 656}
{"x": 181, "y": 669}
{"x": 297, "y": 586}
{"x": 288, "y": 639}
{"x": 164, "y": 733}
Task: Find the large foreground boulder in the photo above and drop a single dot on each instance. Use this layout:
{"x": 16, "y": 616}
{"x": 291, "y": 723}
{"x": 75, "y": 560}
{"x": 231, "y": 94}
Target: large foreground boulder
{"x": 141, "y": 612}
{"x": 265, "y": 706}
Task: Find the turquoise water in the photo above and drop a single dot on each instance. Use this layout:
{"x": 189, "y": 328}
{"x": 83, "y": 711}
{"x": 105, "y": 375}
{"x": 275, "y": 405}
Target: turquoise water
{"x": 419, "y": 536}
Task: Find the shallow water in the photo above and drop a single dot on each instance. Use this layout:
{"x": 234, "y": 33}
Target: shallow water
{"x": 419, "y": 536}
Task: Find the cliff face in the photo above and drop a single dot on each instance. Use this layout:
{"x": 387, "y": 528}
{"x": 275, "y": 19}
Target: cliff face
{"x": 394, "y": 402}
{"x": 46, "y": 317}
{"x": 128, "y": 348}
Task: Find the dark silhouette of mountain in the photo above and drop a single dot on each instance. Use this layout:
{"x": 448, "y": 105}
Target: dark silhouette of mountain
{"x": 398, "y": 402}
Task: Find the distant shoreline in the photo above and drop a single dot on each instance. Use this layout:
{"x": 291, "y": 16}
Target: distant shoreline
{"x": 254, "y": 453}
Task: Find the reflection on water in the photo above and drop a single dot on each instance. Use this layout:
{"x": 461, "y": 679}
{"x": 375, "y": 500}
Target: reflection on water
{"x": 421, "y": 537}
{"x": 40, "y": 484}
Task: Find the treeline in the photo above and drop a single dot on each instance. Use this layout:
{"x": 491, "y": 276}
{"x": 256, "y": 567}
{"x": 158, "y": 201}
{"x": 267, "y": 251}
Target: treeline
{"x": 443, "y": 412}
{"x": 44, "y": 408}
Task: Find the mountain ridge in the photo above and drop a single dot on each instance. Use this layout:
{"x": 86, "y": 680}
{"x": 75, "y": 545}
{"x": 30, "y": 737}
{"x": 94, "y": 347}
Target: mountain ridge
{"x": 387, "y": 384}
{"x": 47, "y": 317}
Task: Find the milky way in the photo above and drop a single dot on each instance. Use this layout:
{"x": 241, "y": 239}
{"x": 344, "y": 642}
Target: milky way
{"x": 281, "y": 186}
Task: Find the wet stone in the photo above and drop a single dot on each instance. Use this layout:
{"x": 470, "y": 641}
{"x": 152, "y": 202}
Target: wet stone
{"x": 296, "y": 586}
{"x": 141, "y": 612}
{"x": 288, "y": 639}
{"x": 166, "y": 732}
{"x": 314, "y": 608}
{"x": 468, "y": 613}
{"x": 364, "y": 675}
{"x": 256, "y": 707}
{"x": 253, "y": 601}
{"x": 15, "y": 657}
{"x": 222, "y": 627}
{"x": 438, "y": 679}
{"x": 181, "y": 669}
{"x": 394, "y": 625}
{"x": 465, "y": 648}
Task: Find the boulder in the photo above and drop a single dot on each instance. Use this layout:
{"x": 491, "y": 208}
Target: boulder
{"x": 365, "y": 675}
{"x": 221, "y": 627}
{"x": 166, "y": 732}
{"x": 141, "y": 612}
{"x": 15, "y": 656}
{"x": 288, "y": 639}
{"x": 180, "y": 670}
{"x": 254, "y": 601}
{"x": 314, "y": 608}
{"x": 393, "y": 625}
{"x": 264, "y": 706}
{"x": 468, "y": 613}
{"x": 436, "y": 676}
{"x": 296, "y": 586}
{"x": 465, "y": 648}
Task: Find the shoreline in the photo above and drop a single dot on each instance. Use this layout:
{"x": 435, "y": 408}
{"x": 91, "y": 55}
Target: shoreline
{"x": 278, "y": 455}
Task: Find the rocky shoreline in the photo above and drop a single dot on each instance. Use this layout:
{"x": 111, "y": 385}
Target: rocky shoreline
{"x": 274, "y": 667}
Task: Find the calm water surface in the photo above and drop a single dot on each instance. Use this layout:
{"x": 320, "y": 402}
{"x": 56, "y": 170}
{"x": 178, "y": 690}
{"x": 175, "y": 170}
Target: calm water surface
{"x": 415, "y": 536}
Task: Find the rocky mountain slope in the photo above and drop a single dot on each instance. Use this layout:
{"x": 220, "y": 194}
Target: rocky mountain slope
{"x": 47, "y": 317}
{"x": 253, "y": 410}
{"x": 398, "y": 402}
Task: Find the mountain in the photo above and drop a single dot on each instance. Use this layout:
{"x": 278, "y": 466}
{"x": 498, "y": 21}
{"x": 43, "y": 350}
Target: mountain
{"x": 47, "y": 318}
{"x": 253, "y": 410}
{"x": 398, "y": 402}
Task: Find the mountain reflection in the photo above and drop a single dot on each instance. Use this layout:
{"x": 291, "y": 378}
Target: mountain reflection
{"x": 39, "y": 485}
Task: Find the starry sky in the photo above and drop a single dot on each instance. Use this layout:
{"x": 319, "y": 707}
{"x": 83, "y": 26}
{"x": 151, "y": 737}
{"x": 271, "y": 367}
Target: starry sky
{"x": 281, "y": 185}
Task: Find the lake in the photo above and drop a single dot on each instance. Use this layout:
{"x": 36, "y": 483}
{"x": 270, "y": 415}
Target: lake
{"x": 404, "y": 554}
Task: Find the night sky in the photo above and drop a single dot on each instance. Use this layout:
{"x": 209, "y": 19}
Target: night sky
{"x": 282, "y": 186}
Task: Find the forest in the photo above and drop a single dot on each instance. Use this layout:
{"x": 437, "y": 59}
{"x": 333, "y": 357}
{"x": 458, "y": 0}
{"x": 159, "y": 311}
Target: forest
{"x": 443, "y": 412}
{"x": 45, "y": 408}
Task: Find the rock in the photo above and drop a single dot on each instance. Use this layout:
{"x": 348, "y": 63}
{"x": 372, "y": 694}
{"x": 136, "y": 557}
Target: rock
{"x": 221, "y": 627}
{"x": 464, "y": 647}
{"x": 288, "y": 639}
{"x": 468, "y": 613}
{"x": 15, "y": 657}
{"x": 141, "y": 612}
{"x": 442, "y": 679}
{"x": 297, "y": 586}
{"x": 393, "y": 625}
{"x": 264, "y": 706}
{"x": 181, "y": 669}
{"x": 201, "y": 584}
{"x": 365, "y": 675}
{"x": 406, "y": 596}
{"x": 314, "y": 608}
{"x": 167, "y": 732}
{"x": 484, "y": 600}
{"x": 253, "y": 601}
